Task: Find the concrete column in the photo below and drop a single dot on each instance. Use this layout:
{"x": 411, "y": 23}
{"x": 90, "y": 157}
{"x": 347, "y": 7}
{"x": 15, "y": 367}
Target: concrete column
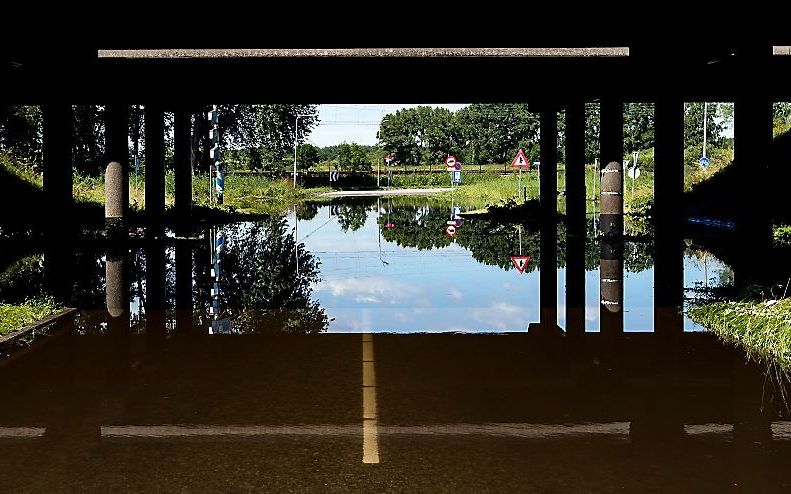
{"x": 155, "y": 290}
{"x": 668, "y": 194}
{"x": 549, "y": 198}
{"x": 58, "y": 198}
{"x": 752, "y": 138}
{"x": 114, "y": 196}
{"x": 155, "y": 162}
{"x": 611, "y": 285}
{"x": 182, "y": 124}
{"x": 116, "y": 290}
{"x": 611, "y": 147}
{"x": 116, "y": 145}
{"x": 575, "y": 217}
{"x": 184, "y": 271}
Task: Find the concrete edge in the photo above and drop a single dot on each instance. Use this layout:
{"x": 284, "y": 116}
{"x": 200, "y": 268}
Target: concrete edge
{"x": 531, "y": 52}
{"x": 34, "y": 329}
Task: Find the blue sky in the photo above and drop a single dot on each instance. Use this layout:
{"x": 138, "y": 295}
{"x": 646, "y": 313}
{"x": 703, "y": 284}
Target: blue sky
{"x": 354, "y": 123}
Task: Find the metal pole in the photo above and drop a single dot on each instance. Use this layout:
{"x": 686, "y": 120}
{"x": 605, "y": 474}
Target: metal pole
{"x": 378, "y": 166}
{"x": 296, "y": 132}
{"x": 520, "y": 183}
{"x": 705, "y": 118}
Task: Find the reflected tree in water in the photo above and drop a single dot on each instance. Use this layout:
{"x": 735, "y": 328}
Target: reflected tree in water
{"x": 351, "y": 216}
{"x": 266, "y": 281}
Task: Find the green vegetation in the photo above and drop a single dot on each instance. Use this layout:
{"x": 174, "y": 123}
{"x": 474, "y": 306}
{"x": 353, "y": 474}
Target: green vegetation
{"x": 15, "y": 317}
{"x": 763, "y": 330}
{"x": 782, "y": 235}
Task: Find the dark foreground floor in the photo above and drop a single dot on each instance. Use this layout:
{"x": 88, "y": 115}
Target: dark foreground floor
{"x": 389, "y": 413}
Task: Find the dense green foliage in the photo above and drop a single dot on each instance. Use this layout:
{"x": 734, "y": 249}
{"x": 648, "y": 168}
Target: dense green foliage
{"x": 352, "y": 157}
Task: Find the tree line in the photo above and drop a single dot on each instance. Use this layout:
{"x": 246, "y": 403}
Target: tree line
{"x": 254, "y": 136}
{"x": 492, "y": 133}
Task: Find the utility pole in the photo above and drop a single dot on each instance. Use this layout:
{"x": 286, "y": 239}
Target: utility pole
{"x": 296, "y": 135}
{"x": 705, "y": 127}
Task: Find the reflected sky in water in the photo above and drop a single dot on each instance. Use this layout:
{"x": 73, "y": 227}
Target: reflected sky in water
{"x": 371, "y": 284}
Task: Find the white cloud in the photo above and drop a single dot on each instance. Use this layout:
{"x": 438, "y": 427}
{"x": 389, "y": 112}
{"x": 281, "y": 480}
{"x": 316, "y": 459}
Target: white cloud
{"x": 373, "y": 290}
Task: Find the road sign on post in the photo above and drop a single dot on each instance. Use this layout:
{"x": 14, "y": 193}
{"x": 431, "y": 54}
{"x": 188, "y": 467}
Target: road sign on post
{"x": 704, "y": 162}
{"x": 520, "y": 161}
{"x": 520, "y": 262}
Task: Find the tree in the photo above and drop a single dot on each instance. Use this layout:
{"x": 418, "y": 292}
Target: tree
{"x": 638, "y": 121}
{"x": 20, "y": 131}
{"x": 352, "y": 157}
{"x": 492, "y": 133}
{"x": 307, "y": 156}
{"x": 266, "y": 132}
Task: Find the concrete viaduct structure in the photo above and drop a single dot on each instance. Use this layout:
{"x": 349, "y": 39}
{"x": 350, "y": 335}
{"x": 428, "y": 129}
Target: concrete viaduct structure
{"x": 748, "y": 73}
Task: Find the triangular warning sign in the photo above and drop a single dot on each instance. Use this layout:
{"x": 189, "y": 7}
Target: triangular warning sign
{"x": 520, "y": 262}
{"x": 520, "y": 161}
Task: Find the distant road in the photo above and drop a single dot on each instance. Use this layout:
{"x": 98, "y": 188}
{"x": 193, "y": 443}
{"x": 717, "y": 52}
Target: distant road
{"x": 389, "y": 192}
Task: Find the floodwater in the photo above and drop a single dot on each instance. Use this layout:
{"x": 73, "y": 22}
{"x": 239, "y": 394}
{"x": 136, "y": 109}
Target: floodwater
{"x": 358, "y": 347}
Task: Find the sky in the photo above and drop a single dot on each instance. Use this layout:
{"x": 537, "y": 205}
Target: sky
{"x": 354, "y": 123}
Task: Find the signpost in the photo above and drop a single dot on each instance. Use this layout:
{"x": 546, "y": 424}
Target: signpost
{"x": 634, "y": 173}
{"x": 454, "y": 167}
{"x": 704, "y": 162}
{"x": 388, "y": 160}
{"x": 520, "y": 161}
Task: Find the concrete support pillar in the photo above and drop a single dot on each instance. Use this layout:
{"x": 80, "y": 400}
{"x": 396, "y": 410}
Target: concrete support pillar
{"x": 668, "y": 194}
{"x": 548, "y": 197}
{"x": 611, "y": 285}
{"x": 117, "y": 290}
{"x": 114, "y": 196}
{"x": 611, "y": 147}
{"x": 182, "y": 139}
{"x": 575, "y": 217}
{"x": 155, "y": 162}
{"x": 58, "y": 198}
{"x": 184, "y": 271}
{"x": 116, "y": 145}
{"x": 611, "y": 218}
{"x": 752, "y": 138}
{"x": 155, "y": 302}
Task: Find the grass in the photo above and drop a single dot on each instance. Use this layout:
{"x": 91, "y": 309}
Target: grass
{"x": 14, "y": 317}
{"x": 762, "y": 329}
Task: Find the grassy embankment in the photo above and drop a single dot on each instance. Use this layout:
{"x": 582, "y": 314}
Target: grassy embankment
{"x": 244, "y": 193}
{"x": 763, "y": 330}
{"x": 14, "y": 317}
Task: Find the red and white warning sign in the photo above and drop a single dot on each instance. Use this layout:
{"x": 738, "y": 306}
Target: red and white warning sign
{"x": 520, "y": 161}
{"x": 450, "y": 162}
{"x": 451, "y": 230}
{"x": 520, "y": 262}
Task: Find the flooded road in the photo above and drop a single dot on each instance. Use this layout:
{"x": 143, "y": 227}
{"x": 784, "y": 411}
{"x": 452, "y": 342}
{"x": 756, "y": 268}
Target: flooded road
{"x": 269, "y": 364}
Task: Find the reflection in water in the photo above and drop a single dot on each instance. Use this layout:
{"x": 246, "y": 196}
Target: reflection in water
{"x": 137, "y": 390}
{"x": 265, "y": 287}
